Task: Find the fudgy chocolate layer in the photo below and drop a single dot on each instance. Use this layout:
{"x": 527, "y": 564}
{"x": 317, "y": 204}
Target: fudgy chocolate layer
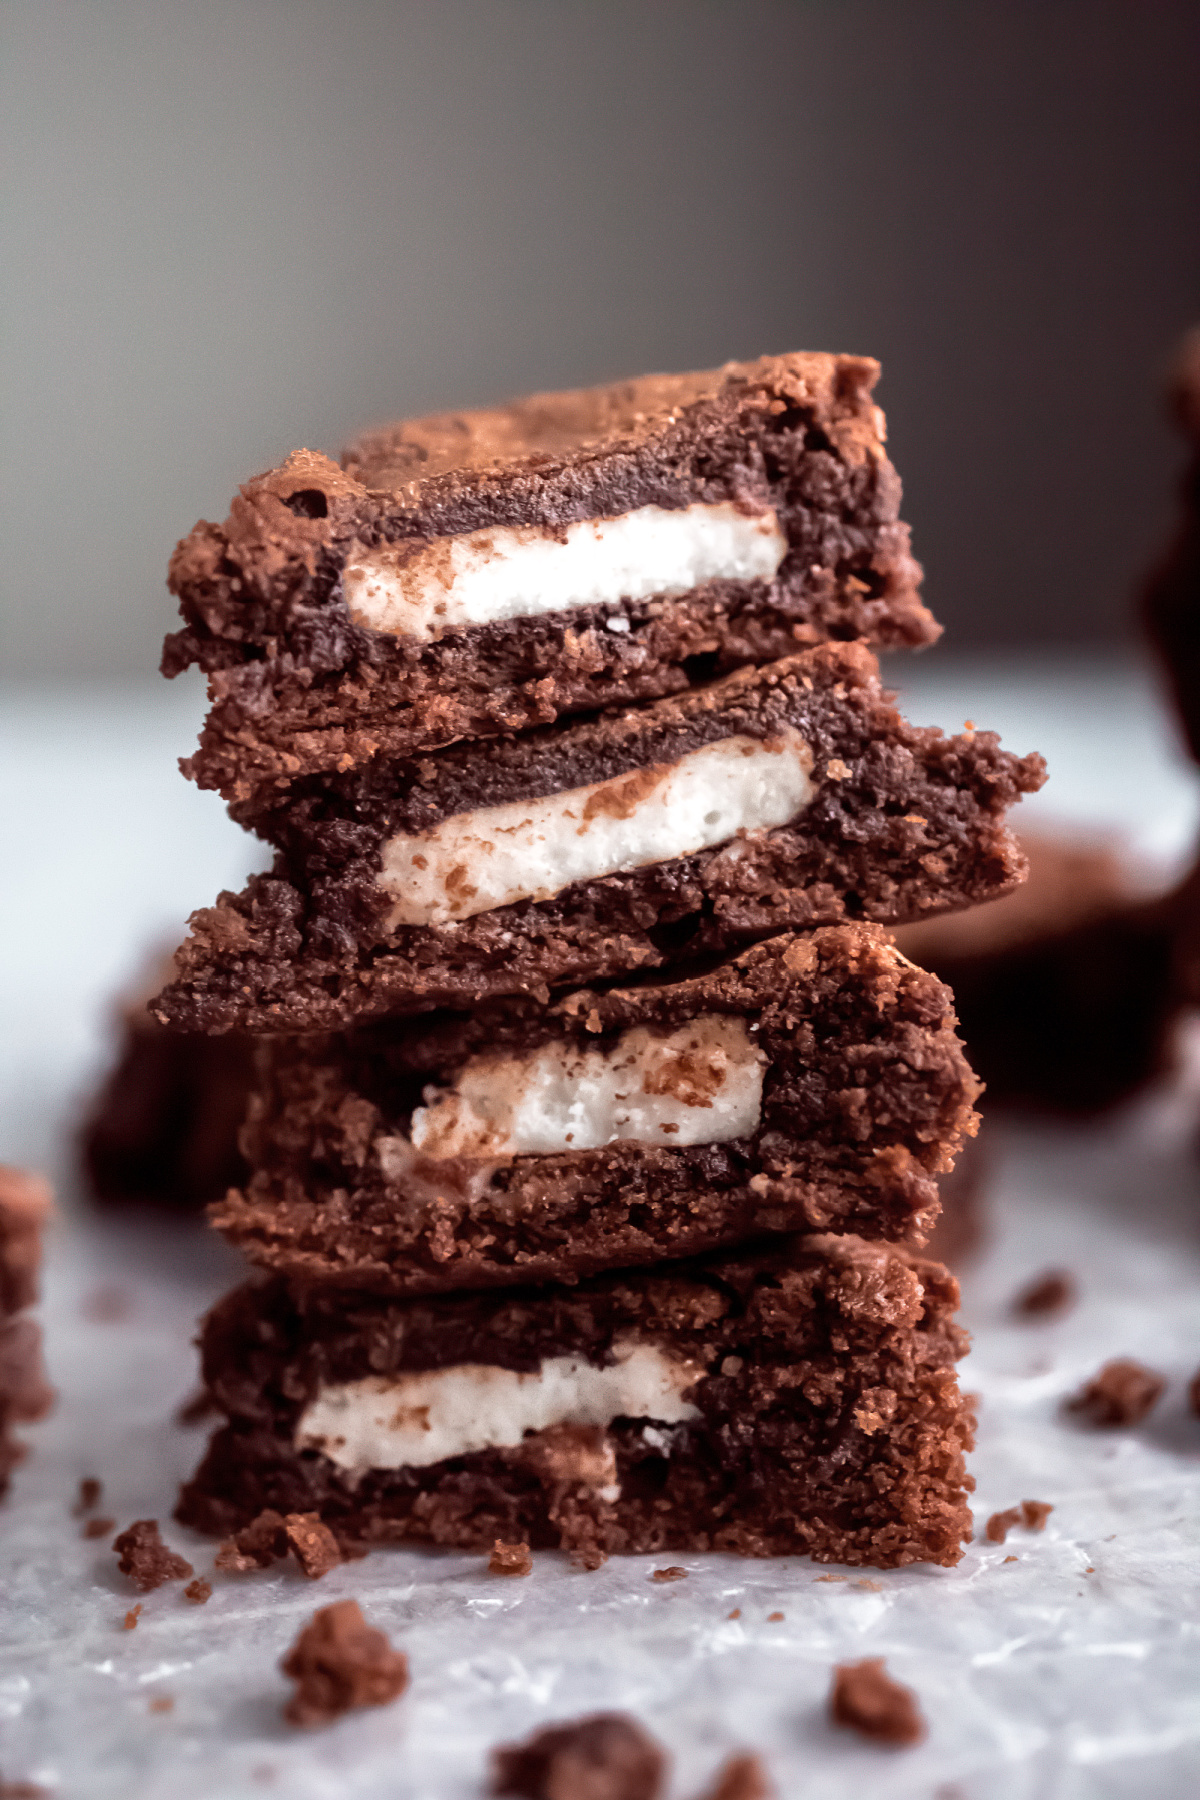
{"x": 866, "y": 1098}
{"x": 830, "y": 1418}
{"x": 297, "y": 686}
{"x": 904, "y": 822}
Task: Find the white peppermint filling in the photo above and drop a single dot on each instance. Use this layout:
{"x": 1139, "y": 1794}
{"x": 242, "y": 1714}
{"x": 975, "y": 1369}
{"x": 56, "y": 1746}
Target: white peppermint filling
{"x": 495, "y": 856}
{"x": 701, "y": 1084}
{"x": 424, "y": 588}
{"x": 411, "y": 1421}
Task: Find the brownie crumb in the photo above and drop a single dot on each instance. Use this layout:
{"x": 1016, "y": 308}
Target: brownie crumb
{"x": 674, "y": 1573}
{"x": 145, "y": 1558}
{"x": 742, "y": 1778}
{"x": 1121, "y": 1394}
{"x": 312, "y": 1544}
{"x": 588, "y": 1557}
{"x": 735, "y": 1614}
{"x": 132, "y": 1616}
{"x": 608, "y": 1756}
{"x": 198, "y": 1591}
{"x": 1009, "y": 1559}
{"x": 510, "y": 1559}
{"x": 1049, "y": 1296}
{"x": 162, "y": 1703}
{"x": 869, "y": 1701}
{"x": 1032, "y": 1514}
{"x": 97, "y": 1528}
{"x": 90, "y": 1491}
{"x": 269, "y": 1537}
{"x": 339, "y": 1662}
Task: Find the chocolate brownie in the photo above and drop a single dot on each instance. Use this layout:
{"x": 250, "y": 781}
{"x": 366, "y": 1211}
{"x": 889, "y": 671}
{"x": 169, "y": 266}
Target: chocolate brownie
{"x": 1064, "y": 988}
{"x": 163, "y": 1128}
{"x": 778, "y": 798}
{"x": 785, "y": 1399}
{"x": 1171, "y": 599}
{"x": 474, "y": 573}
{"x": 812, "y": 1083}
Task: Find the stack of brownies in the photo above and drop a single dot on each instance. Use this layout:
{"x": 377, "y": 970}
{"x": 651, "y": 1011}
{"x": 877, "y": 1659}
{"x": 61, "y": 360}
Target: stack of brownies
{"x": 597, "y": 1119}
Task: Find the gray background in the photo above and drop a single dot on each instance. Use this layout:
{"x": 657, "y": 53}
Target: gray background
{"x": 235, "y": 228}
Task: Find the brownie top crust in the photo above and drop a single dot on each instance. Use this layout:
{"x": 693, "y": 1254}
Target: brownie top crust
{"x": 544, "y": 431}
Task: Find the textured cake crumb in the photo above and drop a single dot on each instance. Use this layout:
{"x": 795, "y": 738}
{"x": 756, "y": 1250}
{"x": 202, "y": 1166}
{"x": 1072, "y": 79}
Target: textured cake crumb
{"x": 1031, "y": 1514}
{"x": 97, "y": 1528}
{"x": 312, "y": 1544}
{"x": 1048, "y": 1296}
{"x": 1122, "y": 1393}
{"x": 775, "y": 1618}
{"x": 868, "y": 1701}
{"x": 743, "y": 1777}
{"x": 608, "y": 1756}
{"x": 198, "y": 1591}
{"x": 269, "y": 1537}
{"x": 339, "y": 1663}
{"x": 145, "y": 1558}
{"x": 510, "y": 1559}
{"x": 90, "y": 1491}
{"x": 132, "y": 1616}
{"x": 674, "y": 1573}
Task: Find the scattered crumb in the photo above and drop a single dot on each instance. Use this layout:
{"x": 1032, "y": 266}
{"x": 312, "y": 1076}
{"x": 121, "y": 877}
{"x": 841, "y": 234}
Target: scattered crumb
{"x": 195, "y": 1410}
{"x": 312, "y": 1544}
{"x": 269, "y": 1537}
{"x": 1048, "y": 1296}
{"x": 735, "y": 1614}
{"x": 872, "y": 1587}
{"x": 608, "y": 1756}
{"x": 867, "y": 1700}
{"x": 97, "y": 1528}
{"x": 674, "y": 1573}
{"x": 1090, "y": 1570}
{"x": 1011, "y": 1559}
{"x": 339, "y": 1662}
{"x": 774, "y": 1618}
{"x": 743, "y": 1777}
{"x": 90, "y": 1491}
{"x": 198, "y": 1591}
{"x": 510, "y": 1559}
{"x": 162, "y": 1703}
{"x": 107, "y": 1304}
{"x": 132, "y": 1616}
{"x": 832, "y": 1578}
{"x": 1121, "y": 1394}
{"x": 1031, "y": 1514}
{"x": 146, "y": 1559}
{"x": 589, "y": 1557}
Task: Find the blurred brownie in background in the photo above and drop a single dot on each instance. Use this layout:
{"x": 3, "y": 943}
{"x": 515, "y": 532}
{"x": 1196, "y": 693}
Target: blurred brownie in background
{"x": 163, "y": 1128}
{"x": 26, "y": 1205}
{"x": 1064, "y": 987}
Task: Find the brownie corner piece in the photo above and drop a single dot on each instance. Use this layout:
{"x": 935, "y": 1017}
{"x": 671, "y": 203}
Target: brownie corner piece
{"x": 468, "y": 574}
{"x": 772, "y": 1401}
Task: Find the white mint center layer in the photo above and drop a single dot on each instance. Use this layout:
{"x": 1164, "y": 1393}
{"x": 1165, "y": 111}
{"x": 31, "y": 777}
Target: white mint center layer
{"x": 532, "y": 849}
{"x": 411, "y": 1421}
{"x": 701, "y": 1084}
{"x": 422, "y": 589}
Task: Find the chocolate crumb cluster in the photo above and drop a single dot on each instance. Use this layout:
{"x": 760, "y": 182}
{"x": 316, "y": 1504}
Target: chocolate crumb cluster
{"x": 1124, "y": 1392}
{"x": 1031, "y": 1514}
{"x": 340, "y": 1663}
{"x": 866, "y": 1699}
{"x": 146, "y": 1559}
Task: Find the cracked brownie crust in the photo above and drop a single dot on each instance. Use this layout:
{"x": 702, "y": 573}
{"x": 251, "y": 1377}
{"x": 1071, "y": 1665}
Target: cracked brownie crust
{"x": 825, "y": 1414}
{"x": 866, "y": 1097}
{"x": 901, "y": 823}
{"x": 299, "y": 685}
